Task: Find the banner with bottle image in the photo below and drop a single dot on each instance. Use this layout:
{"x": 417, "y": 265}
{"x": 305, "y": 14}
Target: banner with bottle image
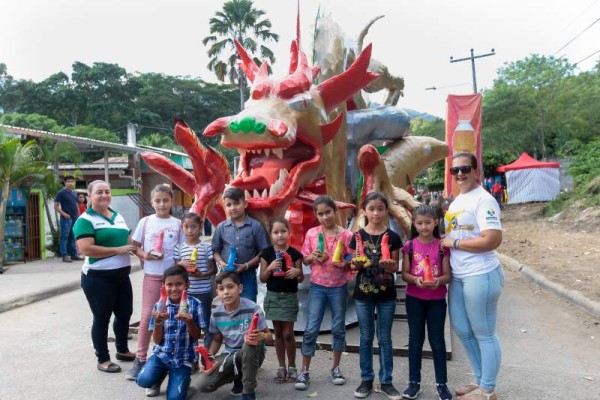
{"x": 463, "y": 131}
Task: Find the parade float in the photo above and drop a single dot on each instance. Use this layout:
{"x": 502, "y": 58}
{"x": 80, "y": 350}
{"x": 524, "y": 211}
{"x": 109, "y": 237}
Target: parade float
{"x": 306, "y": 134}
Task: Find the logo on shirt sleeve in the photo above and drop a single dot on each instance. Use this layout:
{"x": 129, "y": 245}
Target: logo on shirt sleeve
{"x": 491, "y": 215}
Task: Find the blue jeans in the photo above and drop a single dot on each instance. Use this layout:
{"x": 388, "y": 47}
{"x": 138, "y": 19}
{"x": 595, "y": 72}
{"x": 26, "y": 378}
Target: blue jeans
{"x": 473, "y": 304}
{"x": 250, "y": 289}
{"x": 365, "y": 311}
{"x": 318, "y": 298}
{"x": 206, "y": 300}
{"x": 67, "y": 240}
{"x": 432, "y": 313}
{"x": 155, "y": 369}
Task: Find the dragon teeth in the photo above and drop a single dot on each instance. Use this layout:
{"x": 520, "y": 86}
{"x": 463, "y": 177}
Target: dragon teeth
{"x": 247, "y": 194}
{"x": 278, "y": 153}
{"x": 267, "y": 151}
{"x": 242, "y": 152}
{"x": 264, "y": 193}
{"x": 255, "y": 194}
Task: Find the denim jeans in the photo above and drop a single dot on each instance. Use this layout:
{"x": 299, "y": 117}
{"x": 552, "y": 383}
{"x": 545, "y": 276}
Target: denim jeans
{"x": 67, "y": 240}
{"x": 365, "y": 311}
{"x": 109, "y": 292}
{"x": 432, "y": 313}
{"x": 154, "y": 370}
{"x": 206, "y": 300}
{"x": 318, "y": 298}
{"x": 250, "y": 289}
{"x": 473, "y": 303}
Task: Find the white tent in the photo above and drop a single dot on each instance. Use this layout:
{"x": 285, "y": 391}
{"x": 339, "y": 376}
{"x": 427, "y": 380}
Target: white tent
{"x": 528, "y": 179}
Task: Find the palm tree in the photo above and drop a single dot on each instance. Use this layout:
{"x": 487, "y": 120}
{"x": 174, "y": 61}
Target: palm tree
{"x": 240, "y": 21}
{"x": 19, "y": 163}
{"x": 51, "y": 153}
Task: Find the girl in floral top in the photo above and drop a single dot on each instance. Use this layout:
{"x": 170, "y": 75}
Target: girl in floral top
{"x": 375, "y": 290}
{"x": 328, "y": 286}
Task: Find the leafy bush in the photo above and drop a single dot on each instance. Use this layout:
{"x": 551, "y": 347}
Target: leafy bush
{"x": 585, "y": 170}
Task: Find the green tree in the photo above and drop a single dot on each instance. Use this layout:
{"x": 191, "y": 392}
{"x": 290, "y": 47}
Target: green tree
{"x": 159, "y": 140}
{"x": 52, "y": 153}
{"x": 240, "y": 21}
{"x": 106, "y": 95}
{"x": 517, "y": 111}
{"x": 435, "y": 128}
{"x": 30, "y": 121}
{"x": 19, "y": 163}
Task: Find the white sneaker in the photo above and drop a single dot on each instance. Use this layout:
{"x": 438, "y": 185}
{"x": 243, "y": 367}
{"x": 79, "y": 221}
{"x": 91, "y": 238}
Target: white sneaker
{"x": 336, "y": 376}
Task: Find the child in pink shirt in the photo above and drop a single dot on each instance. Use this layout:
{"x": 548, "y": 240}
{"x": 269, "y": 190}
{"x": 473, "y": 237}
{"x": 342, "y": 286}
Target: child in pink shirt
{"x": 426, "y": 299}
{"x": 328, "y": 285}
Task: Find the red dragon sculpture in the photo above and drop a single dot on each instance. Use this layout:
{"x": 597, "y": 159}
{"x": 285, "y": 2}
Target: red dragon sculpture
{"x": 280, "y": 136}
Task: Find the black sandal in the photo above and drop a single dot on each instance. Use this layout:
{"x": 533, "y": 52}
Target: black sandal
{"x": 111, "y": 368}
{"x": 125, "y": 356}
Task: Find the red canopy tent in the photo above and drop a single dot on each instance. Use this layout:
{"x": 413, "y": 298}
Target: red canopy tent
{"x": 528, "y": 179}
{"x": 525, "y": 161}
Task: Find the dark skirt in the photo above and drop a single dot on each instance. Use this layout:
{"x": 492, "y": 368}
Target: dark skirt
{"x": 281, "y": 306}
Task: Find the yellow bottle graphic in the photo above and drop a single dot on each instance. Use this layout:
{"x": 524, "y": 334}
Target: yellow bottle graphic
{"x": 464, "y": 139}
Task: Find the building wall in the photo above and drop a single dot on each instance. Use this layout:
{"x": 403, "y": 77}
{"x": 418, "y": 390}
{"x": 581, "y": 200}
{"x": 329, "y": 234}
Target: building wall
{"x": 122, "y": 204}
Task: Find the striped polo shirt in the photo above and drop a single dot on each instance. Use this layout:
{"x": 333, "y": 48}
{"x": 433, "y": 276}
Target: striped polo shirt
{"x": 183, "y": 251}
{"x": 107, "y": 232}
{"x": 234, "y": 325}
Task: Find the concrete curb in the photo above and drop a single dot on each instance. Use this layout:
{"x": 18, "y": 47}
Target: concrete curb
{"x": 66, "y": 287}
{"x": 573, "y": 296}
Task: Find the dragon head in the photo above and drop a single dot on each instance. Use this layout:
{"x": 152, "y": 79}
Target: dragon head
{"x": 282, "y": 130}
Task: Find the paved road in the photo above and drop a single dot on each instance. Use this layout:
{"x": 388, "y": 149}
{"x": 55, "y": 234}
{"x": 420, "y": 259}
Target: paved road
{"x": 551, "y": 351}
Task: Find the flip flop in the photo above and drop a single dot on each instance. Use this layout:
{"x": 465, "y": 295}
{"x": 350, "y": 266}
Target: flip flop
{"x": 111, "y": 368}
{"x": 125, "y": 356}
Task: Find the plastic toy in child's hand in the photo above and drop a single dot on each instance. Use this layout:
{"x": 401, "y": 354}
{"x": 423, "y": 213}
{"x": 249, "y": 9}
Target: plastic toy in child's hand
{"x": 163, "y": 299}
{"x": 288, "y": 262}
{"x": 231, "y": 260}
{"x": 157, "y": 251}
{"x": 193, "y": 259}
{"x": 321, "y": 247}
{"x": 204, "y": 356}
{"x": 428, "y": 279}
{"x": 337, "y": 254}
{"x": 360, "y": 257}
{"x": 279, "y": 257}
{"x": 183, "y": 307}
{"x": 385, "y": 247}
{"x": 252, "y": 328}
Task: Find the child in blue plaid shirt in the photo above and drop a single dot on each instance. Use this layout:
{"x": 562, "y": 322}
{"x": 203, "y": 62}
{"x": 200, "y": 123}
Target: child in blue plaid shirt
{"x": 175, "y": 334}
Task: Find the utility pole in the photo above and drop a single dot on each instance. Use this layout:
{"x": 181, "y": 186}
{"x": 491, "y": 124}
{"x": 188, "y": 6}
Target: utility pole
{"x": 472, "y": 58}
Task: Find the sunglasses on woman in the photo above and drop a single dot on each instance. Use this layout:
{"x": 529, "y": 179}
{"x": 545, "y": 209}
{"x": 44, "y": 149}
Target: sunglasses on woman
{"x": 465, "y": 169}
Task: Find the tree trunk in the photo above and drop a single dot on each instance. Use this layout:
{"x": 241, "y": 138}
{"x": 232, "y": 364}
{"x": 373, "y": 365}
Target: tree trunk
{"x": 3, "y": 201}
{"x": 241, "y": 85}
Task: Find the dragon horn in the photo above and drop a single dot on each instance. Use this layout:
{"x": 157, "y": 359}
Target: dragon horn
{"x": 294, "y": 57}
{"x": 341, "y": 87}
{"x": 247, "y": 64}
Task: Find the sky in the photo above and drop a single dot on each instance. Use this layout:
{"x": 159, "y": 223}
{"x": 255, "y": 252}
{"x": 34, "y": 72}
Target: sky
{"x": 415, "y": 39}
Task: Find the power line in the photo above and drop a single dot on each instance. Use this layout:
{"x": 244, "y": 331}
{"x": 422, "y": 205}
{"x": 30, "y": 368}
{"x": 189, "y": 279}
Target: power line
{"x": 581, "y": 13}
{"x": 596, "y": 52}
{"x": 572, "y": 40}
{"x": 448, "y": 86}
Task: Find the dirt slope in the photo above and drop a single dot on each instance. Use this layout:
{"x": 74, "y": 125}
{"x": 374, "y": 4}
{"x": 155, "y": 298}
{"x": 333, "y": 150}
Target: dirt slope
{"x": 565, "y": 249}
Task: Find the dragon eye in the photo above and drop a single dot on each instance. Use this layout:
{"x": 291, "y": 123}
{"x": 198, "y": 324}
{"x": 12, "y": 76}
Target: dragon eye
{"x": 302, "y": 102}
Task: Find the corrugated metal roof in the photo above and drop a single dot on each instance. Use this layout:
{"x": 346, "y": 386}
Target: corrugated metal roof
{"x": 86, "y": 143}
